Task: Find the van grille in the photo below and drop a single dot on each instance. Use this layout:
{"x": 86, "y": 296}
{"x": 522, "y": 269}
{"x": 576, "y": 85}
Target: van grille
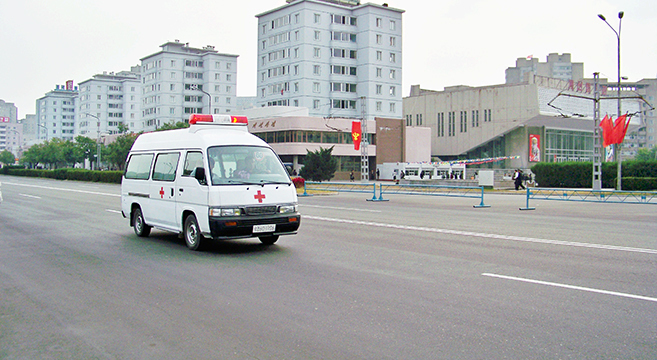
{"x": 261, "y": 210}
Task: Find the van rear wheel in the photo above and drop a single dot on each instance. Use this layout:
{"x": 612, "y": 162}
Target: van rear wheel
{"x": 138, "y": 223}
{"x": 269, "y": 240}
{"x": 192, "y": 233}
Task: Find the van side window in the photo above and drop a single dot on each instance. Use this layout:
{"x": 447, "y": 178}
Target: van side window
{"x": 165, "y": 167}
{"x": 139, "y": 166}
{"x": 193, "y": 160}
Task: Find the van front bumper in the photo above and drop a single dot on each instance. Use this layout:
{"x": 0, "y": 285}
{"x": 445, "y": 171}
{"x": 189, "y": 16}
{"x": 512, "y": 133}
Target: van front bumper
{"x": 222, "y": 228}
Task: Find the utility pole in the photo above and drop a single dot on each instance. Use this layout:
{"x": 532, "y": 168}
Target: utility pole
{"x": 364, "y": 156}
{"x": 597, "y": 144}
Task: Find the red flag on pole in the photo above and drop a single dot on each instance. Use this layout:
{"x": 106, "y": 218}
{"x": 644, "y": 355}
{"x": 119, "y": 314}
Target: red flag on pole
{"x": 356, "y": 134}
{"x": 607, "y": 130}
{"x": 620, "y": 129}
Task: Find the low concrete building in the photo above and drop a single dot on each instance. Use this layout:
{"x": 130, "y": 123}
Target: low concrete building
{"x": 542, "y": 119}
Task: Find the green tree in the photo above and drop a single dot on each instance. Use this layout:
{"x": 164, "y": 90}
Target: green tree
{"x": 31, "y": 156}
{"x": 6, "y": 157}
{"x": 173, "y": 126}
{"x": 117, "y": 152}
{"x": 122, "y": 128}
{"x": 319, "y": 165}
{"x": 50, "y": 153}
{"x": 69, "y": 153}
{"x": 646, "y": 154}
{"x": 87, "y": 148}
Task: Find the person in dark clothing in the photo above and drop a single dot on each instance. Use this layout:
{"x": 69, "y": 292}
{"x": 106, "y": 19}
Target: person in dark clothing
{"x": 517, "y": 180}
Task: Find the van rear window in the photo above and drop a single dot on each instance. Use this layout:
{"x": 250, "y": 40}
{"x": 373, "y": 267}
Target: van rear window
{"x": 139, "y": 166}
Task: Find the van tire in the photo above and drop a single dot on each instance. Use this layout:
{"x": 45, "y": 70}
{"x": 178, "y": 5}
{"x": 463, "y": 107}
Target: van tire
{"x": 192, "y": 233}
{"x": 138, "y": 223}
{"x": 269, "y": 240}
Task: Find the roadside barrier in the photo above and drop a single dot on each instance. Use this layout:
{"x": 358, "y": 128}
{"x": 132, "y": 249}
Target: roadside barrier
{"x": 354, "y": 187}
{"x": 585, "y": 195}
{"x": 476, "y": 192}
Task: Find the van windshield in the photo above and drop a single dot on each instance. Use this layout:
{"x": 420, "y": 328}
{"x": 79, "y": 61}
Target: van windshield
{"x": 245, "y": 165}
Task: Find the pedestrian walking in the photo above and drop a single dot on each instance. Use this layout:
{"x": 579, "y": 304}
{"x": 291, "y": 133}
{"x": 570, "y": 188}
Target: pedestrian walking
{"x": 517, "y": 179}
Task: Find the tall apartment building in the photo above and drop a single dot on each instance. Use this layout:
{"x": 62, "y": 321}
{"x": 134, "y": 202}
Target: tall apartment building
{"x": 107, "y": 100}
{"x": 181, "y": 80}
{"x": 30, "y": 130}
{"x": 645, "y": 135}
{"x": 557, "y": 66}
{"x": 10, "y": 130}
{"x": 56, "y": 113}
{"x": 338, "y": 58}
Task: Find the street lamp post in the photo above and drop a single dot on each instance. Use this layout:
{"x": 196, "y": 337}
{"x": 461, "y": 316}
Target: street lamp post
{"x": 18, "y": 153}
{"x": 617, "y": 147}
{"x": 45, "y": 127}
{"x": 97, "y": 140}
{"x": 196, "y": 87}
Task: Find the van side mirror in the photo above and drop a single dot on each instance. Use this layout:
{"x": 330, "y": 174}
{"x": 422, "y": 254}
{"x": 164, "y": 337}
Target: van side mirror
{"x": 199, "y": 174}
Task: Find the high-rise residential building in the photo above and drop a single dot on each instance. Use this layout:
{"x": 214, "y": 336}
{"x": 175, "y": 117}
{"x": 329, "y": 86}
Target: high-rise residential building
{"x": 557, "y": 66}
{"x": 30, "y": 130}
{"x": 338, "y": 58}
{"x": 10, "y": 129}
{"x": 180, "y": 80}
{"x": 56, "y": 113}
{"x": 645, "y": 136}
{"x": 107, "y": 100}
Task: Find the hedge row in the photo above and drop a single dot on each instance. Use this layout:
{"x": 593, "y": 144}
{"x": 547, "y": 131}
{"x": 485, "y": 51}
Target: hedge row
{"x": 637, "y": 175}
{"x": 66, "y": 174}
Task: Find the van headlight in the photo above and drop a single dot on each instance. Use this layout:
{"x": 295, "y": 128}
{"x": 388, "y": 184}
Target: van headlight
{"x": 287, "y": 209}
{"x": 225, "y": 212}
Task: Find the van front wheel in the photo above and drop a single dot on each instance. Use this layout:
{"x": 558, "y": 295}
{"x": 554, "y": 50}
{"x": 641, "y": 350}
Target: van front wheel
{"x": 192, "y": 233}
{"x": 269, "y": 240}
{"x": 141, "y": 229}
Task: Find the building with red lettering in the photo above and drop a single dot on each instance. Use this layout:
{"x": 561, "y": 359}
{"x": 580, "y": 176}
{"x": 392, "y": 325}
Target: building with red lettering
{"x": 539, "y": 119}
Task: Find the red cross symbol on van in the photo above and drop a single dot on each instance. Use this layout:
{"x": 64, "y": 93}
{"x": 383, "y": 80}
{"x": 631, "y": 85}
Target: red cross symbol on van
{"x": 162, "y": 192}
{"x": 259, "y": 196}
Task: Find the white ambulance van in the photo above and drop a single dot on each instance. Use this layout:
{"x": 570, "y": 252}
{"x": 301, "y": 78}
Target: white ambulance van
{"x": 213, "y": 180}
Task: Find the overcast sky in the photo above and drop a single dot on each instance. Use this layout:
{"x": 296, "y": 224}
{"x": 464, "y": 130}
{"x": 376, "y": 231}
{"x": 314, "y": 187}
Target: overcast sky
{"x": 445, "y": 42}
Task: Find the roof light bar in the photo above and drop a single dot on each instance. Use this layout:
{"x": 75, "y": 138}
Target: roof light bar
{"x": 217, "y": 119}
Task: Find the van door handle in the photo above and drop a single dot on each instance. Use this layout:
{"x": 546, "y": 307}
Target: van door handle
{"x": 171, "y": 191}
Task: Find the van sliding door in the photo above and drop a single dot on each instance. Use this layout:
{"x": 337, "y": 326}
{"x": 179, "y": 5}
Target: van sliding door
{"x": 162, "y": 207}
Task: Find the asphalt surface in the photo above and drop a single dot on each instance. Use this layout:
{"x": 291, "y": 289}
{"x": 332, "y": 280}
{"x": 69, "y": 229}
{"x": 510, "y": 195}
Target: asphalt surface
{"x": 415, "y": 277}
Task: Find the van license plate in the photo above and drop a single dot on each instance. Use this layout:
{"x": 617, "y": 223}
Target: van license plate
{"x": 264, "y": 228}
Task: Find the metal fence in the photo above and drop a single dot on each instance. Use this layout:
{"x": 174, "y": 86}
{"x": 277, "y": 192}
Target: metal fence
{"x": 585, "y": 195}
{"x": 354, "y": 187}
{"x": 476, "y": 192}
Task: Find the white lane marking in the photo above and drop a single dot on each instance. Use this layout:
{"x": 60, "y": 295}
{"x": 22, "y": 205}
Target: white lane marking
{"x": 572, "y": 287}
{"x": 489, "y": 236}
{"x": 113, "y": 211}
{"x": 30, "y": 196}
{"x": 339, "y": 208}
{"x": 63, "y": 189}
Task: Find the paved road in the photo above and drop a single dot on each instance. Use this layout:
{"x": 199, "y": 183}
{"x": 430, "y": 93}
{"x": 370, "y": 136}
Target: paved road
{"x": 412, "y": 278}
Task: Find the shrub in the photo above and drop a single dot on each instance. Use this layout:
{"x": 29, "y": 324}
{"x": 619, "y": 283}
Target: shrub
{"x": 67, "y": 174}
{"x": 580, "y": 174}
{"x": 639, "y": 183}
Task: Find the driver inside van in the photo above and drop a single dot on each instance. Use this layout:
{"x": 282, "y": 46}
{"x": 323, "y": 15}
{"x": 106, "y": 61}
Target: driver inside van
{"x": 245, "y": 168}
